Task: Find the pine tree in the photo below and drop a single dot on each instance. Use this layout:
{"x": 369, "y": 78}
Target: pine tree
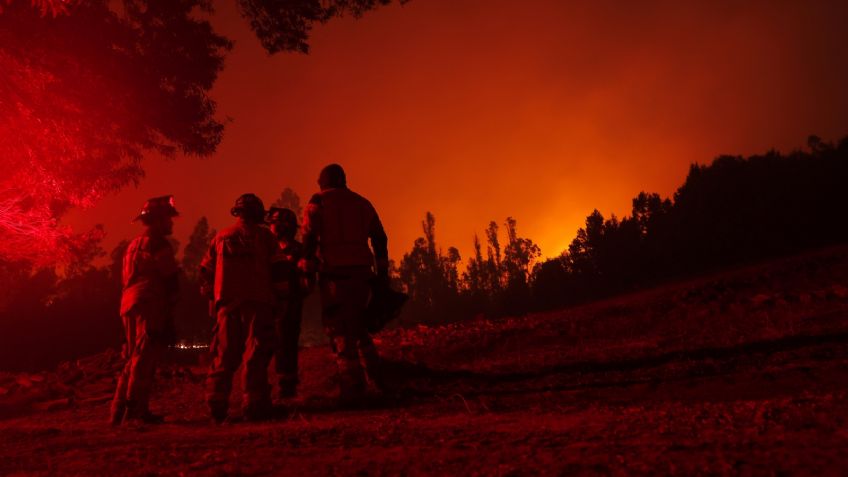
{"x": 195, "y": 249}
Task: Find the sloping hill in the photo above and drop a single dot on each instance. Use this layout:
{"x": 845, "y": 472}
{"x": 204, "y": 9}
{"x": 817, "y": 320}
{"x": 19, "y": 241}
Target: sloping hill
{"x": 743, "y": 371}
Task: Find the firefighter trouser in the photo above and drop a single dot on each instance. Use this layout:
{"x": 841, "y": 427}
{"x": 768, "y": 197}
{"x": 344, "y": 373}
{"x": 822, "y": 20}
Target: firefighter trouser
{"x": 344, "y": 298}
{"x": 288, "y": 318}
{"x": 143, "y": 349}
{"x": 242, "y": 332}
{"x": 371, "y": 360}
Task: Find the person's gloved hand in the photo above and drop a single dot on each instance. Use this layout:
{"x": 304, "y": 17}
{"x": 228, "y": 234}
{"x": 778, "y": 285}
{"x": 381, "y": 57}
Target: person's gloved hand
{"x": 307, "y": 283}
{"x": 307, "y": 266}
{"x": 383, "y": 277}
{"x": 169, "y": 332}
{"x": 207, "y": 291}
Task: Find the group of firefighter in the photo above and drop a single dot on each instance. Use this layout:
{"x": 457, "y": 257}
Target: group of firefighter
{"x": 256, "y": 275}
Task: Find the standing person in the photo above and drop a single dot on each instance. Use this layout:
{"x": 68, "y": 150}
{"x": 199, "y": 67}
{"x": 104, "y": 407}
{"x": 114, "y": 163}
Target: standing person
{"x": 337, "y": 226}
{"x": 236, "y": 275}
{"x": 290, "y": 287}
{"x": 150, "y": 285}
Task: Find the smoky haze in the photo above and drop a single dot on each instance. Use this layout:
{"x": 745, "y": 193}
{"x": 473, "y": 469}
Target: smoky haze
{"x": 540, "y": 110}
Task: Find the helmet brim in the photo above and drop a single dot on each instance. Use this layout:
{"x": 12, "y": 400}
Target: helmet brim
{"x": 172, "y": 212}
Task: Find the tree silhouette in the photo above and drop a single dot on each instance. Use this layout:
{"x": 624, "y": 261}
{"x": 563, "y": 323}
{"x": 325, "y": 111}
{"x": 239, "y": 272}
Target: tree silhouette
{"x": 421, "y": 269}
{"x": 89, "y": 87}
{"x": 519, "y": 256}
{"x": 493, "y": 254}
{"x": 289, "y": 200}
{"x": 450, "y": 266}
{"x": 431, "y": 278}
{"x": 47, "y": 7}
{"x": 584, "y": 249}
{"x": 734, "y": 210}
{"x": 551, "y": 283}
{"x": 476, "y": 276}
{"x": 413, "y": 273}
{"x": 284, "y": 25}
{"x": 62, "y": 143}
{"x": 195, "y": 249}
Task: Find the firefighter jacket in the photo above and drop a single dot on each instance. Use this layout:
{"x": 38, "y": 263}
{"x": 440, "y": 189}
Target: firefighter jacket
{"x": 149, "y": 273}
{"x": 237, "y": 266}
{"x": 287, "y": 279}
{"x": 337, "y": 225}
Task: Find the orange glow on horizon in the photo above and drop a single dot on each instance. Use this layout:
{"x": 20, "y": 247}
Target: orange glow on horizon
{"x": 541, "y": 111}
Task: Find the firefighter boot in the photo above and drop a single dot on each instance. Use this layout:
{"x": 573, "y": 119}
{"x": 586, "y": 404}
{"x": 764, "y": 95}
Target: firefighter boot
{"x": 218, "y": 411}
{"x": 141, "y": 414}
{"x": 351, "y": 376}
{"x": 117, "y": 412}
{"x": 258, "y": 410}
{"x": 372, "y": 362}
{"x": 288, "y": 387}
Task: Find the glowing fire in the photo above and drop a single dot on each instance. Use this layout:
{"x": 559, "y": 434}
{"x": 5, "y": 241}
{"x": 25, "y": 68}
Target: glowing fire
{"x": 190, "y": 346}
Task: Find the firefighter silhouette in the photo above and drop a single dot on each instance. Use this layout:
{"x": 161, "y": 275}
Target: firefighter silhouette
{"x": 337, "y": 227}
{"x": 150, "y": 286}
{"x": 236, "y": 277}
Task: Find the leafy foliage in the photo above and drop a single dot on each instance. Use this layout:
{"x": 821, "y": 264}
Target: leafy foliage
{"x": 196, "y": 248}
{"x": 46, "y": 7}
{"x": 732, "y": 211}
{"x": 84, "y": 96}
{"x": 289, "y": 200}
{"x": 90, "y": 87}
{"x": 284, "y": 25}
{"x": 495, "y": 284}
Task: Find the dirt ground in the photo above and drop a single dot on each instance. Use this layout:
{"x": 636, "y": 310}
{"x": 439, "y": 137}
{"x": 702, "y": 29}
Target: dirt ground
{"x": 743, "y": 372}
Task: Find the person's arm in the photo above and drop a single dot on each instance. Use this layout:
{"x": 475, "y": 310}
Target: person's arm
{"x": 305, "y": 281}
{"x": 166, "y": 263}
{"x": 128, "y": 263}
{"x": 380, "y": 244}
{"x": 311, "y": 231}
{"x": 206, "y": 271}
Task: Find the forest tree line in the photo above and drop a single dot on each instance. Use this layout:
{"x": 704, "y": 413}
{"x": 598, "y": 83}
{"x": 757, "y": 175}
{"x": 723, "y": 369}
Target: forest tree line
{"x": 734, "y": 210}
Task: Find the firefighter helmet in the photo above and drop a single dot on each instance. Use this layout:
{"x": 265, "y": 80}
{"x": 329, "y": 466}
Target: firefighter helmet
{"x": 249, "y": 205}
{"x": 157, "y": 207}
{"x": 281, "y": 214}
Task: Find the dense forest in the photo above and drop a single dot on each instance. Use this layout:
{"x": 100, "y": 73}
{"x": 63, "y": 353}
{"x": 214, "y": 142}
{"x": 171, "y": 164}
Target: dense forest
{"x": 734, "y": 210}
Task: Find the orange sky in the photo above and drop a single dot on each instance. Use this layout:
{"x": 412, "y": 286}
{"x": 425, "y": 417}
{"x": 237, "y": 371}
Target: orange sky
{"x": 476, "y": 110}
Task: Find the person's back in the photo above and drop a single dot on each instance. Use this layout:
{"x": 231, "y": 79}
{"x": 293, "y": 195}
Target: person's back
{"x": 347, "y": 222}
{"x": 242, "y": 254}
{"x": 286, "y": 276}
{"x": 150, "y": 283}
{"x": 337, "y": 227}
{"x": 236, "y": 276}
{"x": 291, "y": 285}
{"x": 148, "y": 266}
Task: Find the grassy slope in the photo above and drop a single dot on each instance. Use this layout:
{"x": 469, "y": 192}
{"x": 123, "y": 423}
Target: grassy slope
{"x": 743, "y": 371}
